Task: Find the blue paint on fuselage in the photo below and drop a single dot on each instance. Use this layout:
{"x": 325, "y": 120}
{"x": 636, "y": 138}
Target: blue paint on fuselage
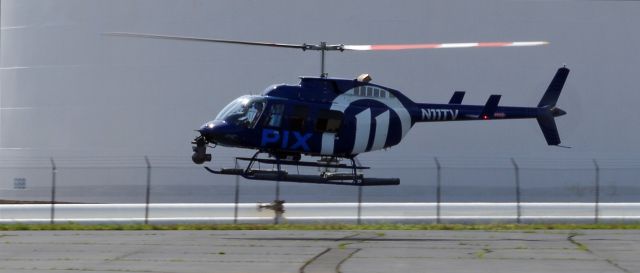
{"x": 313, "y": 95}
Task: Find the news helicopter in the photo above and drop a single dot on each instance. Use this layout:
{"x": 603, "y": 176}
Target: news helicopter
{"x": 336, "y": 119}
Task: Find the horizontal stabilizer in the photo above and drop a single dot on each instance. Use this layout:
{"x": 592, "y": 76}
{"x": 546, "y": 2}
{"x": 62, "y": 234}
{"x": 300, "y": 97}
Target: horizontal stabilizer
{"x": 491, "y": 106}
{"x": 457, "y": 97}
{"x": 552, "y": 94}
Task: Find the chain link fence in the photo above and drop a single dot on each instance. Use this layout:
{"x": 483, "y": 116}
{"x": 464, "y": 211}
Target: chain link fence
{"x": 437, "y": 183}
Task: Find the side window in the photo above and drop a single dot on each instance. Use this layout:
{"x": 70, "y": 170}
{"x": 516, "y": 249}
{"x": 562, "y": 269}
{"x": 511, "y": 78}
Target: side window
{"x": 358, "y": 91}
{"x": 329, "y": 121}
{"x": 374, "y": 92}
{"x": 274, "y": 118}
{"x": 253, "y": 113}
{"x": 298, "y": 115}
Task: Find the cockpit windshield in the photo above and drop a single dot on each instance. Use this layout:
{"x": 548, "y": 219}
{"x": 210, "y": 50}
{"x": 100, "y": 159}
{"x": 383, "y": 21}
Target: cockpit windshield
{"x": 244, "y": 111}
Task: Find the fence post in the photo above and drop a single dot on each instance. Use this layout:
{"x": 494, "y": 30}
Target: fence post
{"x": 359, "y": 204}
{"x": 597, "y": 193}
{"x": 517, "y": 178}
{"x": 276, "y": 219}
{"x": 236, "y": 196}
{"x": 438, "y": 189}
{"x": 54, "y": 170}
{"x": 148, "y": 195}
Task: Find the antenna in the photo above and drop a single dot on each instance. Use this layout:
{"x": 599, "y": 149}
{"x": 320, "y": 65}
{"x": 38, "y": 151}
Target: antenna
{"x": 323, "y": 48}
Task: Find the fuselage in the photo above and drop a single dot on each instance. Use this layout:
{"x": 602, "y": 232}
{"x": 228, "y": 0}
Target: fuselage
{"x": 338, "y": 117}
{"x": 317, "y": 117}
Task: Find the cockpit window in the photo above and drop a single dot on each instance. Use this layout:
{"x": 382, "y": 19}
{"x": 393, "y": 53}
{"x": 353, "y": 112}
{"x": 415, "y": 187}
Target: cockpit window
{"x": 244, "y": 111}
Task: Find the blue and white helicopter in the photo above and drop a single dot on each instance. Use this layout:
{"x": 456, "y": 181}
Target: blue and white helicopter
{"x": 338, "y": 119}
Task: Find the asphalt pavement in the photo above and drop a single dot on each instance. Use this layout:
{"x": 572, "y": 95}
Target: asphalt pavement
{"x": 320, "y": 251}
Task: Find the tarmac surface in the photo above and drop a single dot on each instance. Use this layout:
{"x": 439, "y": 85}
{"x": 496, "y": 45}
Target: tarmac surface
{"x": 320, "y": 251}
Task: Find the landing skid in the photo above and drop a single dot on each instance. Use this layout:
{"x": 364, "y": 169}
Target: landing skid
{"x": 349, "y": 178}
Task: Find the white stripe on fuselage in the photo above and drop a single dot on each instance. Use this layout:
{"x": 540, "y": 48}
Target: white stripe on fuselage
{"x": 363, "y": 129}
{"x": 382, "y": 129}
{"x": 328, "y": 140}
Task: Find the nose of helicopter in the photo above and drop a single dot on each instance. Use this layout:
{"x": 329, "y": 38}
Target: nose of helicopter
{"x": 211, "y": 130}
{"x": 216, "y": 131}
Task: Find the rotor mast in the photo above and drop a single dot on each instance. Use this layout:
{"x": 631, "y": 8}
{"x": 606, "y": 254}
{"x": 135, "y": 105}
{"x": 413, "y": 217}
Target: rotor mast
{"x": 323, "y": 47}
{"x": 323, "y": 74}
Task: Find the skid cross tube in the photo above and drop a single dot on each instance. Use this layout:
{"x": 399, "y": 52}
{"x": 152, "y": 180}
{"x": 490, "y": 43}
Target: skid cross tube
{"x": 280, "y": 175}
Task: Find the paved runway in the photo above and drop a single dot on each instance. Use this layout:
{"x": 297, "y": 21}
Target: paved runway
{"x": 320, "y": 251}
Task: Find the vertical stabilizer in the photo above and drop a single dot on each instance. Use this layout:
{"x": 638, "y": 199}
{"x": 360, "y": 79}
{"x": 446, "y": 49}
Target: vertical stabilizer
{"x": 548, "y": 126}
{"x": 547, "y": 110}
{"x": 552, "y": 94}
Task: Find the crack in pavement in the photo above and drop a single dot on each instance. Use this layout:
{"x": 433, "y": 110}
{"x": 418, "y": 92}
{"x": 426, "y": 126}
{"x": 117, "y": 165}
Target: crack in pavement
{"x": 584, "y": 247}
{"x": 331, "y": 259}
{"x": 345, "y": 259}
{"x": 328, "y": 261}
{"x": 302, "y": 269}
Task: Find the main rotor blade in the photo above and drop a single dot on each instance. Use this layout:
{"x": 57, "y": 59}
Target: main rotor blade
{"x": 323, "y": 46}
{"x": 196, "y": 39}
{"x": 448, "y": 45}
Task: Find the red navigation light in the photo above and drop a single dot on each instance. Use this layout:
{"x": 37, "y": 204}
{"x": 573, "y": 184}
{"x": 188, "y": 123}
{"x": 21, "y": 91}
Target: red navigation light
{"x": 485, "y": 117}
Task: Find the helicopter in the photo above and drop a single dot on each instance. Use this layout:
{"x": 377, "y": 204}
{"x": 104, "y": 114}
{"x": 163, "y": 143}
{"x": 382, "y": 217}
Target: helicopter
{"x": 336, "y": 119}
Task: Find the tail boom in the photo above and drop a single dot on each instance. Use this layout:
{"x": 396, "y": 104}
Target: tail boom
{"x": 544, "y": 113}
{"x": 424, "y": 112}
